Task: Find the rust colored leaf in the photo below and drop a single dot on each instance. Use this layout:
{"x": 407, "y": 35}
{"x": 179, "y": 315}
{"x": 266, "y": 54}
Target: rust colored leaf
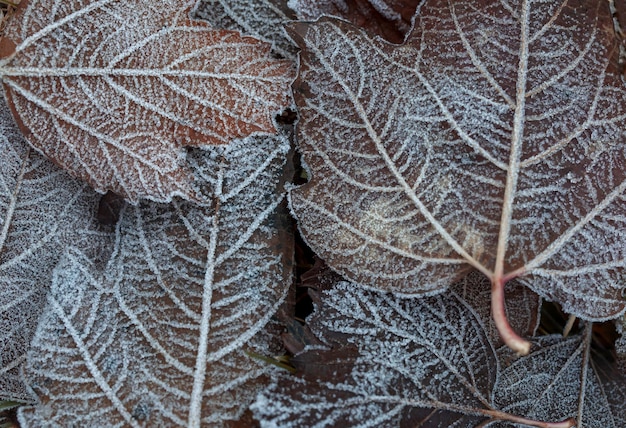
{"x": 491, "y": 140}
{"x": 113, "y": 90}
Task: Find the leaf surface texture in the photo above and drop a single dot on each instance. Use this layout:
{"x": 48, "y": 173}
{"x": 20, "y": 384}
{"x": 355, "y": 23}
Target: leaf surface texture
{"x": 391, "y": 19}
{"x": 159, "y": 338}
{"x": 385, "y": 360}
{"x": 42, "y": 210}
{"x": 262, "y": 19}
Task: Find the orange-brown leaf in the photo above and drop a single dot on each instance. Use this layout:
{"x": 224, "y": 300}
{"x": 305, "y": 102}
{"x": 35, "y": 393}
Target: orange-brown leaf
{"x": 112, "y": 91}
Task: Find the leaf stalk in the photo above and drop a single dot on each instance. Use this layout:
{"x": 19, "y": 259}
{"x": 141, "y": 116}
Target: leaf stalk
{"x": 567, "y": 423}
{"x": 498, "y": 311}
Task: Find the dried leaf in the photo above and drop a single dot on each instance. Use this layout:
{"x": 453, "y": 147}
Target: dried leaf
{"x": 491, "y": 140}
{"x": 262, "y": 19}
{"x": 113, "y": 90}
{"x": 548, "y": 384}
{"x": 392, "y": 361}
{"x": 390, "y": 19}
{"x": 42, "y": 210}
{"x": 160, "y": 338}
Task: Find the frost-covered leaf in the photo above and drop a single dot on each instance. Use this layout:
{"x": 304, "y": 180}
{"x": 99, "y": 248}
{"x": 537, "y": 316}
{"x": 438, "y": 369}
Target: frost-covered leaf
{"x": 548, "y": 384}
{"x": 263, "y": 19}
{"x": 42, "y": 210}
{"x": 393, "y": 361}
{"x": 620, "y": 343}
{"x": 160, "y": 338}
{"x": 390, "y": 19}
{"x": 411, "y": 353}
{"x": 113, "y": 90}
{"x": 492, "y": 139}
{"x": 618, "y": 8}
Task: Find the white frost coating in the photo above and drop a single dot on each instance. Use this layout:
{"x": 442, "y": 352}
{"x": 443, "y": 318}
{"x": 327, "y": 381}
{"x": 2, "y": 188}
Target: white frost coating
{"x": 552, "y": 381}
{"x": 42, "y": 210}
{"x": 421, "y": 358}
{"x": 188, "y": 289}
{"x": 484, "y": 143}
{"x": 115, "y": 106}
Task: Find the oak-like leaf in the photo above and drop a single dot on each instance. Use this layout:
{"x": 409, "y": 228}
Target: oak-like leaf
{"x": 392, "y": 361}
{"x": 42, "y": 210}
{"x": 113, "y": 90}
{"x": 492, "y": 139}
{"x": 160, "y": 338}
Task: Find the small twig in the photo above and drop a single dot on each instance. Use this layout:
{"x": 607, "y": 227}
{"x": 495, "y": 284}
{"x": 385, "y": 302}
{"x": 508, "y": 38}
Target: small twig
{"x": 568, "y": 327}
{"x": 271, "y": 360}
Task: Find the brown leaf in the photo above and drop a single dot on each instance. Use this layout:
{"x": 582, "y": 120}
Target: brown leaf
{"x": 390, "y": 19}
{"x": 493, "y": 140}
{"x": 523, "y": 306}
{"x": 262, "y": 19}
{"x": 386, "y": 360}
{"x": 113, "y": 90}
{"x": 160, "y": 337}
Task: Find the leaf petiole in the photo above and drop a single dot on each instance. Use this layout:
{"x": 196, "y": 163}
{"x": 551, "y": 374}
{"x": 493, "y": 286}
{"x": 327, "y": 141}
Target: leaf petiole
{"x": 567, "y": 423}
{"x": 498, "y": 311}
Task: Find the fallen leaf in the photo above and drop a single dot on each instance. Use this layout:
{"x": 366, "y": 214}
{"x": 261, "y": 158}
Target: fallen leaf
{"x": 42, "y": 210}
{"x": 549, "y": 383}
{"x": 523, "y": 306}
{"x": 490, "y": 140}
{"x": 386, "y": 360}
{"x": 112, "y": 90}
{"x": 160, "y": 337}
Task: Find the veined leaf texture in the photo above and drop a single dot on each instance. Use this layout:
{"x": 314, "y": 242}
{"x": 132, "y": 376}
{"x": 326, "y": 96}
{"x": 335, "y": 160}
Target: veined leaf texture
{"x": 492, "y": 139}
{"x": 469, "y": 146}
{"x": 112, "y": 91}
{"x": 42, "y": 210}
{"x": 159, "y": 338}
{"x": 263, "y": 19}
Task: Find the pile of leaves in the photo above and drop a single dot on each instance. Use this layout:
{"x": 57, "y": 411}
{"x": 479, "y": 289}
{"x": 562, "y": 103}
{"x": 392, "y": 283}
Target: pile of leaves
{"x": 430, "y": 173}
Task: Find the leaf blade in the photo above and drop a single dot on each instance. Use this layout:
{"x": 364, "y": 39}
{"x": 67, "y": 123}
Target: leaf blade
{"x": 137, "y": 90}
{"x": 475, "y": 154}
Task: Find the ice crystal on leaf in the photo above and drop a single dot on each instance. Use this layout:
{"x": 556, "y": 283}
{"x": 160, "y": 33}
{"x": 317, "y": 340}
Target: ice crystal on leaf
{"x": 42, "y": 210}
{"x": 492, "y": 139}
{"x": 159, "y": 338}
{"x": 385, "y": 360}
{"x": 112, "y": 90}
